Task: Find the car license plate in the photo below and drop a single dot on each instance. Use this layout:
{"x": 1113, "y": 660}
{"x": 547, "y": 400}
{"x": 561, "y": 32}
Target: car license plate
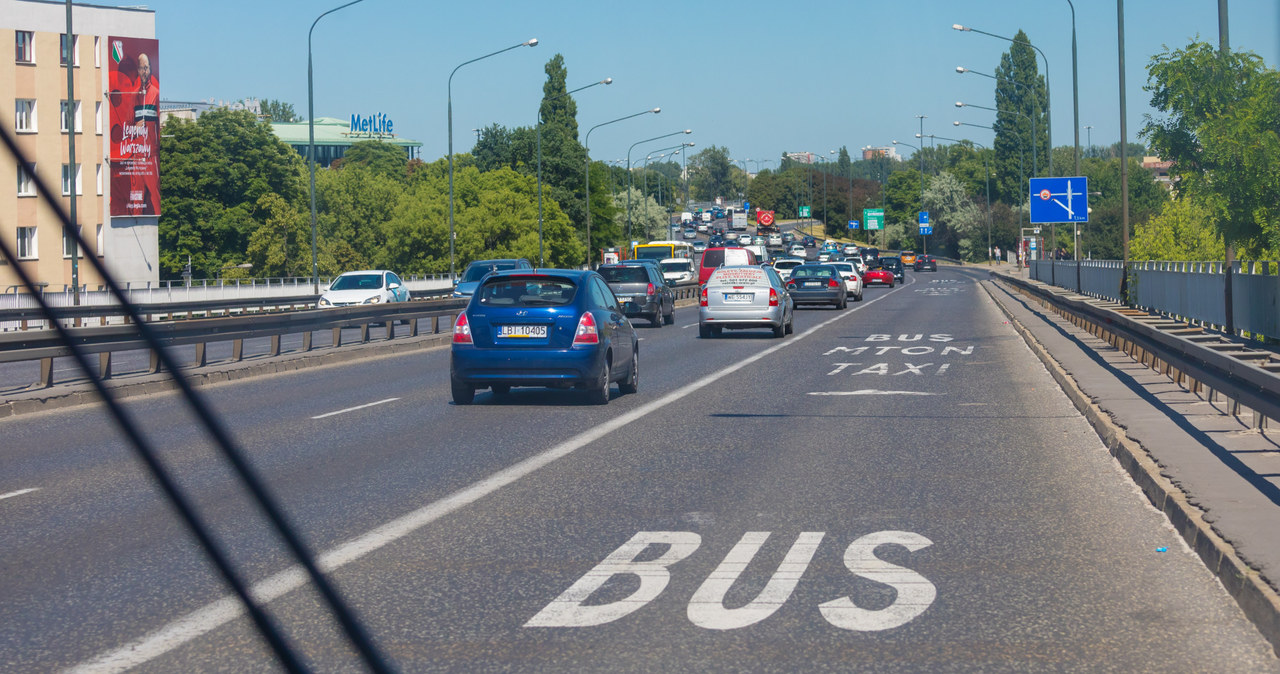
{"x": 738, "y": 297}
{"x": 523, "y": 331}
{"x": 812, "y": 284}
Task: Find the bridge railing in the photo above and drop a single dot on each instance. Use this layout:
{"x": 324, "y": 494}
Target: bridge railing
{"x": 1190, "y": 291}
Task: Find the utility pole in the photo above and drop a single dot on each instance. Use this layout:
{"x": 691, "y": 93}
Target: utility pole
{"x": 1224, "y": 47}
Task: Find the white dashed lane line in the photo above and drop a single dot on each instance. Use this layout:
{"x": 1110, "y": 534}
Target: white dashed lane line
{"x": 352, "y": 409}
{"x": 20, "y": 492}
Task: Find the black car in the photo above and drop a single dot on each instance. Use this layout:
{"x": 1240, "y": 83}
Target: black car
{"x": 810, "y": 242}
{"x": 641, "y": 290}
{"x": 894, "y": 265}
{"x": 924, "y": 262}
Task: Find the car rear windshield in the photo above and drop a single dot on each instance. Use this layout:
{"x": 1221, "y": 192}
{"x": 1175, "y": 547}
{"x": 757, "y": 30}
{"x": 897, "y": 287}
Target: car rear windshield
{"x": 843, "y": 266}
{"x": 521, "y": 291}
{"x": 628, "y": 274}
{"x": 677, "y": 266}
{"x": 787, "y": 264}
{"x": 812, "y": 271}
{"x": 357, "y": 282}
{"x": 738, "y": 276}
{"x": 476, "y": 272}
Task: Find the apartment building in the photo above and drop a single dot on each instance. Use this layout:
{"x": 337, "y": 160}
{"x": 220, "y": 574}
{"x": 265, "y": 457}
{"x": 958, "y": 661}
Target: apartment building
{"x": 113, "y": 116}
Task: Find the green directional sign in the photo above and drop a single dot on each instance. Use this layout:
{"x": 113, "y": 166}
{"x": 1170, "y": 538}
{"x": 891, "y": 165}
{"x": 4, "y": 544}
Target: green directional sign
{"x": 804, "y": 211}
{"x": 874, "y": 217}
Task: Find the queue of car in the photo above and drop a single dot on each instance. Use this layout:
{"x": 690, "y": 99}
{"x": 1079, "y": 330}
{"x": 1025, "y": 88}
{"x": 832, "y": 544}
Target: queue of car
{"x": 571, "y": 328}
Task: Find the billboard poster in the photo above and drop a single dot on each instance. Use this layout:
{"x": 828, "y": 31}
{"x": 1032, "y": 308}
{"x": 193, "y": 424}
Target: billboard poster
{"x": 134, "y": 106}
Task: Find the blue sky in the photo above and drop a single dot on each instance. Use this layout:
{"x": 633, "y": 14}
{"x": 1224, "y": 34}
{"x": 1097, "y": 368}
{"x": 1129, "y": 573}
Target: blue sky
{"x": 757, "y": 77}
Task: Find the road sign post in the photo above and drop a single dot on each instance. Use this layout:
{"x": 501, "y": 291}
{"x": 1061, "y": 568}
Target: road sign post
{"x": 854, "y": 224}
{"x": 874, "y": 218}
{"x": 1055, "y": 200}
{"x": 804, "y": 211}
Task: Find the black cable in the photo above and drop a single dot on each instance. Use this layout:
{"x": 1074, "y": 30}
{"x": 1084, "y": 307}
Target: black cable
{"x": 351, "y": 626}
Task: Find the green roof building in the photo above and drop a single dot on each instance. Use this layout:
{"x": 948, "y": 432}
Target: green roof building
{"x": 334, "y": 136}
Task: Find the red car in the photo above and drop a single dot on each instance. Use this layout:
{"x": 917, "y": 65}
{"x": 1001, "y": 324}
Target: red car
{"x": 877, "y": 276}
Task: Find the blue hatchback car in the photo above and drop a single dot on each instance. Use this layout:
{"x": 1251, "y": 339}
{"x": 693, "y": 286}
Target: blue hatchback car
{"x": 543, "y": 327}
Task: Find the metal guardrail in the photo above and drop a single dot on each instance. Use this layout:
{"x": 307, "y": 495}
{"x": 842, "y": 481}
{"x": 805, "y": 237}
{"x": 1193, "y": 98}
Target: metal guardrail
{"x": 45, "y": 345}
{"x": 25, "y": 317}
{"x": 1191, "y": 355}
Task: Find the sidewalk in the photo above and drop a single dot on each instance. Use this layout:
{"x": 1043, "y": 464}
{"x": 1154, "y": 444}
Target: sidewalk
{"x": 1216, "y": 478}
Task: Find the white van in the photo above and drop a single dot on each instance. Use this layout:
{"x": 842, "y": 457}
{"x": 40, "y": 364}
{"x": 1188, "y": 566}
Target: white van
{"x": 686, "y": 218}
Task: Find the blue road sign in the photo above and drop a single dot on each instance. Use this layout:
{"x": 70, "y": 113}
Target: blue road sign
{"x": 924, "y": 217}
{"x": 926, "y": 229}
{"x": 1059, "y": 200}
{"x": 746, "y": 205}
{"x": 854, "y": 224}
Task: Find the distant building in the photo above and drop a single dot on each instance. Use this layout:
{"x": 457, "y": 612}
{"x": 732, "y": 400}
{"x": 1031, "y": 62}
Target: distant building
{"x": 802, "y": 157}
{"x": 335, "y": 136}
{"x": 104, "y": 54}
{"x": 1159, "y": 170}
{"x": 191, "y": 110}
{"x": 889, "y": 151}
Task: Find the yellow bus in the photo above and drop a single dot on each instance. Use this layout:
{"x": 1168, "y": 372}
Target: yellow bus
{"x": 664, "y": 250}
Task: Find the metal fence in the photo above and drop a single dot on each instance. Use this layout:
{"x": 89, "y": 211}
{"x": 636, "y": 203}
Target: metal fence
{"x": 1191, "y": 291}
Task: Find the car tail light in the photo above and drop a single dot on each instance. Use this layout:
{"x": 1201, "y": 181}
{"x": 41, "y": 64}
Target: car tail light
{"x": 833, "y": 284}
{"x": 650, "y": 290}
{"x": 587, "y": 333}
{"x": 791, "y": 285}
{"x": 773, "y": 297}
{"x": 703, "y": 301}
{"x": 461, "y": 330}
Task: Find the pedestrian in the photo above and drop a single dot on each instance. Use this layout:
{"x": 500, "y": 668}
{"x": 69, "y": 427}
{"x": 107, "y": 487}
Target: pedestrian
{"x": 998, "y": 254}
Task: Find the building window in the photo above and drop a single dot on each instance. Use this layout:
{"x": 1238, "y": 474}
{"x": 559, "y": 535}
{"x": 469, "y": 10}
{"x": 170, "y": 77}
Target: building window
{"x": 99, "y": 241}
{"x": 24, "y": 46}
{"x": 27, "y": 243}
{"x": 97, "y": 117}
{"x": 97, "y": 51}
{"x": 76, "y": 112}
{"x": 75, "y": 50}
{"x": 99, "y": 179}
{"x": 26, "y": 184}
{"x": 66, "y": 180}
{"x": 69, "y": 244}
{"x": 25, "y": 115}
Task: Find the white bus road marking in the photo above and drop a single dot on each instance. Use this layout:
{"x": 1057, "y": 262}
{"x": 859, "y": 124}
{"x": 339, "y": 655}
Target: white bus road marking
{"x": 914, "y": 592}
{"x": 20, "y": 492}
{"x": 872, "y": 392}
{"x": 352, "y": 409}
{"x": 228, "y": 608}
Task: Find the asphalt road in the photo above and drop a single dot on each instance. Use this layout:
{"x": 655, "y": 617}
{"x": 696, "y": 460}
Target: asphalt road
{"x": 899, "y": 486}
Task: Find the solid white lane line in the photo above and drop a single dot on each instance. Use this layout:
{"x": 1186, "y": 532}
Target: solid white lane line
{"x": 352, "y": 409}
{"x": 20, "y": 492}
{"x": 872, "y": 392}
{"x": 226, "y": 609}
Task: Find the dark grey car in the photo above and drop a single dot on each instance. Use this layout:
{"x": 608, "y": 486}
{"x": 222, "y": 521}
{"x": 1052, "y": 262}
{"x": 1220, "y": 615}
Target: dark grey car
{"x": 642, "y": 291}
{"x": 817, "y": 284}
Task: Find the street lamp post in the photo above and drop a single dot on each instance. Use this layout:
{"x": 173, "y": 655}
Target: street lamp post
{"x": 920, "y": 151}
{"x": 586, "y": 145}
{"x": 607, "y": 80}
{"x": 527, "y": 43}
{"x": 311, "y": 148}
{"x": 1048, "y": 106}
{"x": 630, "y": 178}
{"x": 824, "y": 187}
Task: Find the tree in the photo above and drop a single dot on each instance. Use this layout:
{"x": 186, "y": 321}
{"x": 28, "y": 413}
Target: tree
{"x": 1222, "y": 133}
{"x": 381, "y": 158}
{"x": 844, "y": 167}
{"x": 496, "y": 215}
{"x": 493, "y": 148}
{"x": 278, "y": 111}
{"x": 958, "y": 224}
{"x": 648, "y": 219}
{"x": 216, "y": 169}
{"x": 710, "y": 174}
{"x": 355, "y": 202}
{"x": 1020, "y": 98}
{"x": 1182, "y": 231}
{"x": 281, "y": 246}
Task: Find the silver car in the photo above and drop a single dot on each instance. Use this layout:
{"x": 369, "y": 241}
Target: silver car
{"x": 743, "y": 297}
